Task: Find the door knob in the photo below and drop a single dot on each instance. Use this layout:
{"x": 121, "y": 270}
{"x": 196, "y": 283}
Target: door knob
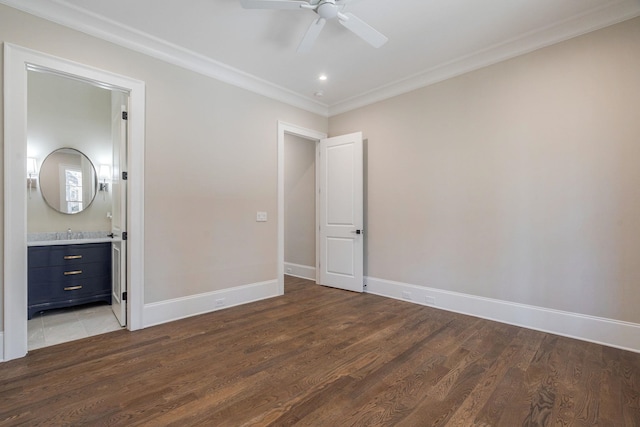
{"x": 358, "y": 232}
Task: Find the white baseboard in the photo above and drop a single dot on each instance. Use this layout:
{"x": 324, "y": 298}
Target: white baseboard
{"x": 302, "y": 271}
{"x": 1, "y": 346}
{"x": 609, "y": 332}
{"x": 180, "y": 308}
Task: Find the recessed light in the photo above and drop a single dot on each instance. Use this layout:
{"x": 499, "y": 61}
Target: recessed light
{"x": 322, "y": 77}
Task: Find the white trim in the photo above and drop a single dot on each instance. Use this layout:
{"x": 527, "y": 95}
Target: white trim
{"x": 1, "y": 346}
{"x": 181, "y": 308}
{"x": 301, "y": 271}
{"x": 16, "y": 59}
{"x": 15, "y": 206}
{"x": 80, "y": 19}
{"x": 291, "y": 129}
{"x": 609, "y": 332}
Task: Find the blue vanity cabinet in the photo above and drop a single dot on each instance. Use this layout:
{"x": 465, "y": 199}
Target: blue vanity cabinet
{"x": 67, "y": 275}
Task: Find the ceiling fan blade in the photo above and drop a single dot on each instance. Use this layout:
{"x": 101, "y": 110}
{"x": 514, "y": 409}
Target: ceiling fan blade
{"x": 311, "y": 36}
{"x": 362, "y": 29}
{"x": 274, "y": 4}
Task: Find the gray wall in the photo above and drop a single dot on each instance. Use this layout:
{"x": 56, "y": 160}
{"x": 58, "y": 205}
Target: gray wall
{"x": 210, "y": 164}
{"x": 518, "y": 181}
{"x": 299, "y": 201}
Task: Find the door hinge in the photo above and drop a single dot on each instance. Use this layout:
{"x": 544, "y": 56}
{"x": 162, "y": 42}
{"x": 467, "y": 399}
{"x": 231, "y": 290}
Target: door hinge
{"x": 125, "y": 176}
{"x": 125, "y": 235}
{"x": 125, "y": 115}
{"x": 124, "y": 296}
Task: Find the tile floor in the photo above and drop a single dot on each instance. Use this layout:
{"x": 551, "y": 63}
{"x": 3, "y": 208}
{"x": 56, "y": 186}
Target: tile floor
{"x": 68, "y": 324}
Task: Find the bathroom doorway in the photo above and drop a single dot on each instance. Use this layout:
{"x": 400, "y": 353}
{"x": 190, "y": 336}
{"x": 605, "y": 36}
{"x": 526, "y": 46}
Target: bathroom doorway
{"x": 75, "y": 205}
{"x": 18, "y": 61}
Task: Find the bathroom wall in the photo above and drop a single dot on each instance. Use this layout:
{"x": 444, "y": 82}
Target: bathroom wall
{"x": 66, "y": 113}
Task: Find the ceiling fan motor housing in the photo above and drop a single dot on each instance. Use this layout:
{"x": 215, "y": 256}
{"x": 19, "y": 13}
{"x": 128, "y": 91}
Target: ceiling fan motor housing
{"x": 327, "y": 9}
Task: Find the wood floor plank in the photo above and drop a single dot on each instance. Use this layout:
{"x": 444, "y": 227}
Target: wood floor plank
{"x": 577, "y": 397}
{"x": 503, "y": 395}
{"x": 611, "y": 401}
{"x": 630, "y": 378}
{"x": 454, "y": 388}
{"x": 395, "y": 392}
{"x": 324, "y": 357}
{"x": 532, "y": 401}
{"x": 465, "y": 415}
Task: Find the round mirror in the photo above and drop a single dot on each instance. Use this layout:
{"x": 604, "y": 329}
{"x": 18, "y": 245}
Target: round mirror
{"x": 68, "y": 181}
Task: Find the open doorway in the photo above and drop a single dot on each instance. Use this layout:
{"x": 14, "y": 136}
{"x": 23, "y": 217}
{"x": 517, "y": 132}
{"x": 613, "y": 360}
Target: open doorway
{"x": 339, "y": 206}
{"x": 300, "y": 201}
{"x": 75, "y": 135}
{"x": 18, "y": 61}
{"x": 302, "y": 141}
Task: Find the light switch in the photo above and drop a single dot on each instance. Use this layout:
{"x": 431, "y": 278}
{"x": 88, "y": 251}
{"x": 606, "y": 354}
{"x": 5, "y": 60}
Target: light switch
{"x": 261, "y": 217}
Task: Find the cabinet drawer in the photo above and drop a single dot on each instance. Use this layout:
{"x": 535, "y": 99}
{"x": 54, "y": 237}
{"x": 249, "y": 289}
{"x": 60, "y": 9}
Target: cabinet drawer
{"x": 65, "y": 274}
{"x": 75, "y": 289}
{"x": 42, "y": 256}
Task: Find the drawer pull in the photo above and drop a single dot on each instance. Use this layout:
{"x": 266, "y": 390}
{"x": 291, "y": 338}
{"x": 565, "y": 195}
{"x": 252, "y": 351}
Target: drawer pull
{"x": 73, "y": 288}
{"x": 71, "y": 273}
{"x": 73, "y": 257}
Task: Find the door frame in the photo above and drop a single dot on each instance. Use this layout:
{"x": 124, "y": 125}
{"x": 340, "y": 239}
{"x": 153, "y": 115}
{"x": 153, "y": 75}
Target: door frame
{"x": 16, "y": 60}
{"x": 314, "y": 136}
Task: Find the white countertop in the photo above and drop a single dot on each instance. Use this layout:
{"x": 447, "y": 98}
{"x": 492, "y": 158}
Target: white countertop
{"x": 71, "y": 241}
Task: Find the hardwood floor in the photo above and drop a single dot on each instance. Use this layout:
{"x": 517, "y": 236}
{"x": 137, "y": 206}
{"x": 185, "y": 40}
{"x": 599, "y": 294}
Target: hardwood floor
{"x": 324, "y": 357}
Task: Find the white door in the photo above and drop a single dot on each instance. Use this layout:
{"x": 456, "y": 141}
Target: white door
{"x": 341, "y": 212}
{"x": 119, "y": 208}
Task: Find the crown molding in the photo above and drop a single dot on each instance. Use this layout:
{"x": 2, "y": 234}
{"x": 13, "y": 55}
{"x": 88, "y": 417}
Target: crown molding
{"x": 557, "y": 32}
{"x": 95, "y": 25}
{"x": 79, "y": 19}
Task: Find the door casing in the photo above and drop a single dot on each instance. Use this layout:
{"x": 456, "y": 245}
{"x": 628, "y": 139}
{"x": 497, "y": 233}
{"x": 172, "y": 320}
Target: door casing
{"x": 16, "y": 61}
{"x": 312, "y": 135}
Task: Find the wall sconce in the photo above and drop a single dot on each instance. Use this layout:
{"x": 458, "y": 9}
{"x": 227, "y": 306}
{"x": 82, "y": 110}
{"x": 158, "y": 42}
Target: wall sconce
{"x": 104, "y": 174}
{"x": 32, "y": 173}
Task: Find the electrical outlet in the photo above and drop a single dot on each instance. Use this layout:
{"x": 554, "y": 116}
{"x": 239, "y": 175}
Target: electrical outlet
{"x": 406, "y": 295}
{"x": 430, "y": 300}
{"x": 220, "y": 302}
{"x": 261, "y": 217}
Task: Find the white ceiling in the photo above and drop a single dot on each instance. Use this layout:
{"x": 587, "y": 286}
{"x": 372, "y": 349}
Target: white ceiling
{"x": 429, "y": 40}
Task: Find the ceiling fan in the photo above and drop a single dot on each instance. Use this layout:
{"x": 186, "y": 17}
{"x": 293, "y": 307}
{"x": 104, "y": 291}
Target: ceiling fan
{"x": 326, "y": 10}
